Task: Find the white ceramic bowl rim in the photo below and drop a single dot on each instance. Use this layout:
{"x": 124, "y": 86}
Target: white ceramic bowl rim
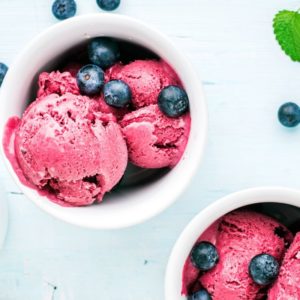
{"x": 137, "y": 205}
{"x": 186, "y": 240}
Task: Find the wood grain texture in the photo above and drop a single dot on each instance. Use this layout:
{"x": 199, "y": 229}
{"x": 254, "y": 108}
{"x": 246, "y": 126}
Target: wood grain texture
{"x": 246, "y": 77}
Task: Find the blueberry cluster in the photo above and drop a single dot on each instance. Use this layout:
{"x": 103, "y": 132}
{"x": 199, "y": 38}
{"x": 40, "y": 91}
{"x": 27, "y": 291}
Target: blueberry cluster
{"x": 104, "y": 52}
{"x": 263, "y": 268}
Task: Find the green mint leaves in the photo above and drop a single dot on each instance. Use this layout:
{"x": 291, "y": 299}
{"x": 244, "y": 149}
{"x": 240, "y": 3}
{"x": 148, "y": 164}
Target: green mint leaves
{"x": 286, "y": 26}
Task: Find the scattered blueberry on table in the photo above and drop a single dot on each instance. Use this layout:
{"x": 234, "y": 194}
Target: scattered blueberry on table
{"x": 264, "y": 269}
{"x": 64, "y": 9}
{"x": 117, "y": 93}
{"x": 289, "y": 114}
{"x": 108, "y": 5}
{"x": 103, "y": 51}
{"x": 204, "y": 256}
{"x": 200, "y": 295}
{"x": 3, "y": 71}
{"x": 173, "y": 101}
{"x": 90, "y": 79}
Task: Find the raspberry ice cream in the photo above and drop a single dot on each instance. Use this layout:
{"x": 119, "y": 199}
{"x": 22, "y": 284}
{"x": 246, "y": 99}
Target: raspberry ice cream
{"x": 146, "y": 79}
{"x": 238, "y": 237}
{"x": 57, "y": 83}
{"x": 76, "y": 148}
{"x": 287, "y": 286}
{"x": 67, "y": 146}
{"x": 154, "y": 140}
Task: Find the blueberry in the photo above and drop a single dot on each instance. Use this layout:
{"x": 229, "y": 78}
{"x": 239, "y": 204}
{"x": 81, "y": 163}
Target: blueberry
{"x": 204, "y": 256}
{"x": 64, "y": 9}
{"x": 289, "y": 114}
{"x": 108, "y": 5}
{"x": 103, "y": 51}
{"x": 264, "y": 269}
{"x": 200, "y": 295}
{"x": 90, "y": 79}
{"x": 117, "y": 93}
{"x": 173, "y": 101}
{"x": 3, "y": 71}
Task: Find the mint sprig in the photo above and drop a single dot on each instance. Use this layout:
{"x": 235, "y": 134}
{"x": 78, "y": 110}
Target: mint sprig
{"x": 286, "y": 26}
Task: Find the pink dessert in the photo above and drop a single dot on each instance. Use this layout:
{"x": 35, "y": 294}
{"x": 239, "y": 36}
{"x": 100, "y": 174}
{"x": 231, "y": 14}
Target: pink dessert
{"x": 57, "y": 83}
{"x": 146, "y": 79}
{"x": 238, "y": 237}
{"x": 154, "y": 140}
{"x": 68, "y": 146}
{"x": 74, "y": 142}
{"x": 287, "y": 285}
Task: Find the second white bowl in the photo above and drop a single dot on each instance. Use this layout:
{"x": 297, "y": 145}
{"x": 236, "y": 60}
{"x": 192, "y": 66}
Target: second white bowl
{"x": 187, "y": 239}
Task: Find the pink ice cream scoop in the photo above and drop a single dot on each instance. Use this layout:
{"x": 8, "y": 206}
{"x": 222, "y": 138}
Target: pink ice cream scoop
{"x": 57, "y": 83}
{"x": 153, "y": 139}
{"x": 66, "y": 146}
{"x": 238, "y": 237}
{"x": 146, "y": 78}
{"x": 287, "y": 285}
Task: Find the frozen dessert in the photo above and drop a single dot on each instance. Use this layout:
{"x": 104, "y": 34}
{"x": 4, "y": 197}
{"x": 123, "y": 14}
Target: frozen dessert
{"x": 66, "y": 145}
{"x": 287, "y": 286}
{"x": 56, "y": 83}
{"x": 90, "y": 121}
{"x": 146, "y": 79}
{"x": 154, "y": 140}
{"x": 238, "y": 238}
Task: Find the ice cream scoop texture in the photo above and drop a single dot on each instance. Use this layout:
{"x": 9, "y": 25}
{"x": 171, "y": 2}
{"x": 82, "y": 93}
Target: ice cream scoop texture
{"x": 68, "y": 146}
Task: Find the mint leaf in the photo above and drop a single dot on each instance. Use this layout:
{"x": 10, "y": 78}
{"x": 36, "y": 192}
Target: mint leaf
{"x": 286, "y": 26}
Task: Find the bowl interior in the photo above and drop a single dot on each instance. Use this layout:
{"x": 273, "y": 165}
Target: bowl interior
{"x": 134, "y": 177}
{"x": 286, "y": 214}
{"x": 123, "y": 207}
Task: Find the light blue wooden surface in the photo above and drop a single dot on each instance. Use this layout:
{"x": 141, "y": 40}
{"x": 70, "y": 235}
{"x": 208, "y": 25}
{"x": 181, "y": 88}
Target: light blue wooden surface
{"x": 245, "y": 76}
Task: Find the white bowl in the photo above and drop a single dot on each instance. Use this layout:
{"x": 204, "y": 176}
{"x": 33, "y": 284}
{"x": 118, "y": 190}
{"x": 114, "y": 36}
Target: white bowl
{"x": 187, "y": 239}
{"x": 139, "y": 204}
